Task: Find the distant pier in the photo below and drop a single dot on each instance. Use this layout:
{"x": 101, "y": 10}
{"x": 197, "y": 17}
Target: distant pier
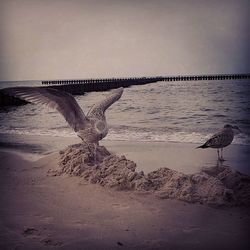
{"x": 80, "y": 86}
{"x": 144, "y": 80}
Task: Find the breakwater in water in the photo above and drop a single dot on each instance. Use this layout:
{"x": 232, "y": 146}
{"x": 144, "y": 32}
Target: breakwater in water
{"x": 80, "y": 86}
{"x": 144, "y": 80}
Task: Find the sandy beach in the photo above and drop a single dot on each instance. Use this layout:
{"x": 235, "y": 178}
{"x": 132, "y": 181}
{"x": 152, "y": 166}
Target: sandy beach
{"x": 43, "y": 211}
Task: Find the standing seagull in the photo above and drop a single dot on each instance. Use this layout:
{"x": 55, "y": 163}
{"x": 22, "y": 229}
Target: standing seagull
{"x": 91, "y": 128}
{"x": 221, "y": 139}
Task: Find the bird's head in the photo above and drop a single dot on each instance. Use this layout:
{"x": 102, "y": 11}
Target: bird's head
{"x": 236, "y": 129}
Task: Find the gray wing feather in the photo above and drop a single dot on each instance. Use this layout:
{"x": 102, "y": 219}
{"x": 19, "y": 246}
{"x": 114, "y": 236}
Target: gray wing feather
{"x": 63, "y": 102}
{"x": 98, "y": 109}
{"x": 219, "y": 139}
{"x": 215, "y": 140}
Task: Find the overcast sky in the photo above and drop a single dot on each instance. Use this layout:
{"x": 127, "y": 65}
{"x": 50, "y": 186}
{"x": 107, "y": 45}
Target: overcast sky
{"x": 58, "y": 39}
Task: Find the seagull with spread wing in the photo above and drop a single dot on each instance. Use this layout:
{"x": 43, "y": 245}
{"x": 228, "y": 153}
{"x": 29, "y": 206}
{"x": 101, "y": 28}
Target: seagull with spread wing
{"x": 91, "y": 128}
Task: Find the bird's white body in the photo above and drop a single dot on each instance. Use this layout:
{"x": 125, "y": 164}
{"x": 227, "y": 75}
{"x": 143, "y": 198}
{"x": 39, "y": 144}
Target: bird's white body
{"x": 94, "y": 131}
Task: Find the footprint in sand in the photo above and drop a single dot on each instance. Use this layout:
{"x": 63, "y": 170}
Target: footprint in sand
{"x": 191, "y": 229}
{"x": 30, "y": 231}
{"x": 36, "y": 234}
{"x": 120, "y": 206}
{"x": 51, "y": 242}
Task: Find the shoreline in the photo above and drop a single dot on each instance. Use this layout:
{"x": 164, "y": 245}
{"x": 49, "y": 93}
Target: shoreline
{"x": 149, "y": 156}
{"x": 182, "y": 157}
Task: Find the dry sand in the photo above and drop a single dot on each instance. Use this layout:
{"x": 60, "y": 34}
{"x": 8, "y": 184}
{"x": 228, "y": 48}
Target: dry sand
{"x": 46, "y": 206}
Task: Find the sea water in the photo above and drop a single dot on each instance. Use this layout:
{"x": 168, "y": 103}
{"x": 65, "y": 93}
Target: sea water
{"x": 163, "y": 111}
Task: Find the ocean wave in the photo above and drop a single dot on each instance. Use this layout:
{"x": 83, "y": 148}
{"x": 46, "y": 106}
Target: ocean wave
{"x": 184, "y": 137}
{"x": 39, "y": 132}
{"x": 132, "y": 135}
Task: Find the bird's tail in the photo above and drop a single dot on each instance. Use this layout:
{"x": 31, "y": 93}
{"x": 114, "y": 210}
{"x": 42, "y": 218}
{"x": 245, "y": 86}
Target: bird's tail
{"x": 203, "y": 146}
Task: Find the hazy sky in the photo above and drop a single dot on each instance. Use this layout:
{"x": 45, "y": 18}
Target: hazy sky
{"x": 48, "y": 39}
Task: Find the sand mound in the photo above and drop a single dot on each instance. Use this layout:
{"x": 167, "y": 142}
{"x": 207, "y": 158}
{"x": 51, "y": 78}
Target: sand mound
{"x": 215, "y": 186}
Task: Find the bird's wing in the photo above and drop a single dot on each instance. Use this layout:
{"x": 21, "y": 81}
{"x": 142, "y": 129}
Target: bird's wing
{"x": 98, "y": 109}
{"x": 216, "y": 140}
{"x": 63, "y": 102}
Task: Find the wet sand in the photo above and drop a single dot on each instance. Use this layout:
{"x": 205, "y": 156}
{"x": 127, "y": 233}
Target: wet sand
{"x": 183, "y": 157}
{"x": 42, "y": 211}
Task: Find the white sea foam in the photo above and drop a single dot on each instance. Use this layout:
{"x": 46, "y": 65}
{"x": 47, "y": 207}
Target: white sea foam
{"x": 183, "y": 137}
{"x": 39, "y": 132}
{"x": 124, "y": 135}
{"x": 130, "y": 135}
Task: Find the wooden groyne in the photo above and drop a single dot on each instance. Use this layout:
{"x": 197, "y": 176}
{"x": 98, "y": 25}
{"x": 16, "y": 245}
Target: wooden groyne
{"x": 125, "y": 82}
{"x": 80, "y": 86}
{"x": 207, "y": 77}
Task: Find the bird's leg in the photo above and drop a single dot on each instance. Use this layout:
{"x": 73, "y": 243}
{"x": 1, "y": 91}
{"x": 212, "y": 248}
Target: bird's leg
{"x": 221, "y": 157}
{"x": 218, "y": 153}
{"x": 92, "y": 151}
{"x": 88, "y": 145}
